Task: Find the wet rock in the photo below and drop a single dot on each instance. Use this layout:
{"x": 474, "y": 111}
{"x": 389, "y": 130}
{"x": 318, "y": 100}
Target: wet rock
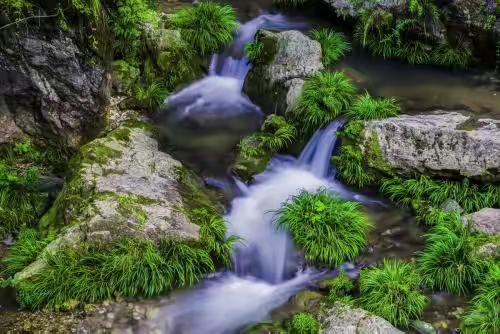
{"x": 353, "y": 9}
{"x": 486, "y": 221}
{"x": 451, "y": 205}
{"x": 48, "y": 91}
{"x": 122, "y": 186}
{"x": 423, "y": 327}
{"x": 471, "y": 13}
{"x": 344, "y": 319}
{"x": 442, "y": 144}
{"x": 277, "y": 81}
{"x": 489, "y": 251}
{"x": 306, "y": 300}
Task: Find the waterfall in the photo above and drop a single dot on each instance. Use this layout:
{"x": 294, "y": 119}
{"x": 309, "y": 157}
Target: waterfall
{"x": 266, "y": 271}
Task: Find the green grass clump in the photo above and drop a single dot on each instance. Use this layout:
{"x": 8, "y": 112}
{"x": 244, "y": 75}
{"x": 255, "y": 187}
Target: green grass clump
{"x": 449, "y": 261}
{"x": 333, "y": 44}
{"x": 350, "y": 163}
{"x": 329, "y": 230}
{"x": 303, "y": 323}
{"x": 207, "y": 27}
{"x": 446, "y": 55}
{"x": 483, "y": 316}
{"x": 150, "y": 97}
{"x": 369, "y": 108}
{"x": 392, "y": 292}
{"x": 25, "y": 250}
{"x": 415, "y": 52}
{"x": 326, "y": 96}
{"x": 254, "y": 51}
{"x": 128, "y": 23}
{"x": 471, "y": 197}
{"x": 128, "y": 268}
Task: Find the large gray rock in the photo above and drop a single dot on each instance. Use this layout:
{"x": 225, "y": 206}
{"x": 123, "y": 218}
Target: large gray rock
{"x": 123, "y": 186}
{"x": 48, "y": 91}
{"x": 486, "y": 221}
{"x": 444, "y": 144}
{"x": 343, "y": 319}
{"x": 351, "y": 8}
{"x": 276, "y": 82}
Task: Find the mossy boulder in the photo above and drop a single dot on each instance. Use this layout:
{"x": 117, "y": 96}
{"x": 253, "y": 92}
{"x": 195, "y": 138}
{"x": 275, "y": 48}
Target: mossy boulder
{"x": 277, "y": 80}
{"x": 123, "y": 186}
{"x": 441, "y": 144}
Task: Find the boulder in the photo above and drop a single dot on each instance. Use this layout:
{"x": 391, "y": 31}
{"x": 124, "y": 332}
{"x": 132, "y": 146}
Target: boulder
{"x": 123, "y": 186}
{"x": 474, "y": 14}
{"x": 275, "y": 83}
{"x": 48, "y": 90}
{"x": 344, "y": 319}
{"x": 441, "y": 144}
{"x": 353, "y": 9}
{"x": 486, "y": 221}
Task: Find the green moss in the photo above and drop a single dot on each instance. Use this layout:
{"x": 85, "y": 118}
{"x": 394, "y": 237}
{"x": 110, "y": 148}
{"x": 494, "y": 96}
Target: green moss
{"x": 129, "y": 206}
{"x": 329, "y": 231}
{"x": 98, "y": 153}
{"x": 125, "y": 75}
{"x": 121, "y": 134}
{"x": 392, "y": 292}
{"x": 375, "y": 157}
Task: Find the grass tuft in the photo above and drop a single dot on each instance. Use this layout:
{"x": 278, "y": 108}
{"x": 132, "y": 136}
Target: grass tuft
{"x": 333, "y": 44}
{"x": 207, "y": 26}
{"x": 392, "y": 292}
{"x": 449, "y": 261}
{"x": 254, "y": 51}
{"x": 369, "y": 108}
{"x": 326, "y": 96}
{"x": 329, "y": 230}
{"x": 303, "y": 323}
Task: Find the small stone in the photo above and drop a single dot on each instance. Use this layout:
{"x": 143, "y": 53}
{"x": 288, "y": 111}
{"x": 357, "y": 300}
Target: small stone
{"x": 451, "y": 205}
{"x": 423, "y": 327}
{"x": 486, "y": 221}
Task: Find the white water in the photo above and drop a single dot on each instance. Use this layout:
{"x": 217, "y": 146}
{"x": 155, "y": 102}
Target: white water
{"x": 266, "y": 269}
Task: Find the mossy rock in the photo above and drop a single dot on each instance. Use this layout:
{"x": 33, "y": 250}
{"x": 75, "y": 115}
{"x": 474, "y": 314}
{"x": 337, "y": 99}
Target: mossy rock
{"x": 122, "y": 186}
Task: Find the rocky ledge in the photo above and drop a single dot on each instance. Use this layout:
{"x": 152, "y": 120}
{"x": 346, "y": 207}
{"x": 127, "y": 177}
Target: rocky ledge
{"x": 441, "y": 144}
{"x": 276, "y": 82}
{"x": 123, "y": 186}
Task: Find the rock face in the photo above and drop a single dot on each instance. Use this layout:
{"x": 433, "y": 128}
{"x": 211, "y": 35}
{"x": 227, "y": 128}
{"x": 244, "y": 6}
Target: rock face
{"x": 276, "y": 82}
{"x": 348, "y": 8}
{"x": 438, "y": 144}
{"x": 342, "y": 319}
{"x": 48, "y": 91}
{"x": 123, "y": 186}
{"x": 486, "y": 221}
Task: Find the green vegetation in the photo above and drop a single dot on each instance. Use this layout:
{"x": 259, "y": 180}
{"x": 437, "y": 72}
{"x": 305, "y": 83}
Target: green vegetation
{"x": 333, "y": 44}
{"x": 339, "y": 288}
{"x": 303, "y": 323}
{"x": 369, "y": 108}
{"x": 15, "y": 9}
{"x": 150, "y": 97}
{"x": 289, "y": 3}
{"x": 25, "y": 250}
{"x": 392, "y": 292}
{"x": 254, "y": 51}
{"x": 329, "y": 230}
{"x": 21, "y": 203}
{"x": 408, "y": 36}
{"x": 207, "y": 27}
{"x": 351, "y": 165}
{"x": 326, "y": 96}
{"x": 128, "y": 22}
{"x": 483, "y": 316}
{"x": 471, "y": 197}
{"x": 449, "y": 261}
{"x": 90, "y": 273}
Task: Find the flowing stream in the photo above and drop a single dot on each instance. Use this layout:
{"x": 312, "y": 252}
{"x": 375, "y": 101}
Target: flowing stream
{"x": 267, "y": 268}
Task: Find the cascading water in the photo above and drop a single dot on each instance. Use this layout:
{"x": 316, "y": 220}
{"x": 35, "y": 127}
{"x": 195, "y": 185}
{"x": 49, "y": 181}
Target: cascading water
{"x": 266, "y": 269}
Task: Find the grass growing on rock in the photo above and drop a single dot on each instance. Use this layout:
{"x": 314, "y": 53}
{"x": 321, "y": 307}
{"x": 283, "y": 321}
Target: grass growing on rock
{"x": 207, "y": 26}
{"x": 471, "y": 197}
{"x": 326, "y": 96}
{"x": 333, "y": 43}
{"x": 25, "y": 250}
{"x": 449, "y": 262}
{"x": 392, "y": 292}
{"x": 329, "y": 230}
{"x": 303, "y": 323}
{"x": 368, "y": 108}
{"x": 254, "y": 51}
{"x": 483, "y": 316}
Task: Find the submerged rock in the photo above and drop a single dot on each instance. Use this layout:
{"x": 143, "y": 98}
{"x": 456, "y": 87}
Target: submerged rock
{"x": 276, "y": 82}
{"x": 123, "y": 186}
{"x": 486, "y": 221}
{"x": 48, "y": 91}
{"x": 442, "y": 144}
{"x": 344, "y": 319}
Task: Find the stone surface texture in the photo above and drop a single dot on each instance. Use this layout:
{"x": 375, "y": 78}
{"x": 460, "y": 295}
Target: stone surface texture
{"x": 441, "y": 144}
{"x": 276, "y": 82}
